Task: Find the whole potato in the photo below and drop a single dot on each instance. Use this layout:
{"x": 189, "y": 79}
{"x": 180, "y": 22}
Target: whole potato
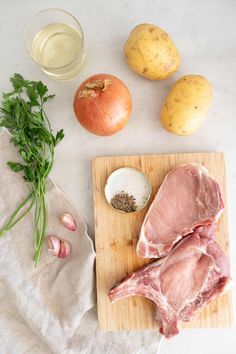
{"x": 186, "y": 104}
{"x": 150, "y": 52}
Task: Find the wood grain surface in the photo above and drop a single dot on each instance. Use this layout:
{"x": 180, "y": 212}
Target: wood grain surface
{"x": 116, "y": 236}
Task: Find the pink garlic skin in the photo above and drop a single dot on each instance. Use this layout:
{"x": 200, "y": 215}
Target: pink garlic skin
{"x": 68, "y": 221}
{"x": 58, "y": 248}
{"x": 54, "y": 245}
{"x": 65, "y": 249}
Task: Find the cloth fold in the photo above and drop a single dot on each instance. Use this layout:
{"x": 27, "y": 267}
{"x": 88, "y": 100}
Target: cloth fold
{"x": 50, "y": 309}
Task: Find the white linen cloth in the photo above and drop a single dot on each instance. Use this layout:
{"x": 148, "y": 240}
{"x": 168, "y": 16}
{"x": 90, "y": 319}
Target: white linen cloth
{"x": 51, "y": 309}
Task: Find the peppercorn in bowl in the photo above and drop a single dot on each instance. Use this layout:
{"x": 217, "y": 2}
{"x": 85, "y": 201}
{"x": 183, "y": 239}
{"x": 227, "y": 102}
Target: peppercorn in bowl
{"x": 127, "y": 190}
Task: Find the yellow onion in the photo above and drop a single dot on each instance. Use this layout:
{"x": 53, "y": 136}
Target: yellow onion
{"x": 103, "y": 104}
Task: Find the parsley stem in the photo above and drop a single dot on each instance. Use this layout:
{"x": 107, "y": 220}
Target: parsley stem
{"x": 12, "y": 221}
{"x": 22, "y": 215}
{"x": 42, "y": 223}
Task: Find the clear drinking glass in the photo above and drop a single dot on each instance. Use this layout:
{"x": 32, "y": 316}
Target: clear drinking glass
{"x": 54, "y": 39}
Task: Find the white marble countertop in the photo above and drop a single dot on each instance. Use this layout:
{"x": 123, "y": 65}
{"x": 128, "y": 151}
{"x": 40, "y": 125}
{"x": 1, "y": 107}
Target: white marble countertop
{"x": 204, "y": 31}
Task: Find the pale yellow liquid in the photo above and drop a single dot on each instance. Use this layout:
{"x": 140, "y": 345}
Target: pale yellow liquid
{"x": 58, "y": 48}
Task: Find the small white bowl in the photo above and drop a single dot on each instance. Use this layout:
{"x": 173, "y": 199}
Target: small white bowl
{"x": 131, "y": 181}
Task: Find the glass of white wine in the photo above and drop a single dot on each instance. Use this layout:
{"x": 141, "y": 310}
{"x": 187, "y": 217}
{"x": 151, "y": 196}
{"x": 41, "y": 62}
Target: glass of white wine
{"x": 55, "y": 41}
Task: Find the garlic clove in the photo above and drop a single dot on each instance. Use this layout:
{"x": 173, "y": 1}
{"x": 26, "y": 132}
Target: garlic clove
{"x": 68, "y": 221}
{"x": 65, "y": 249}
{"x": 54, "y": 245}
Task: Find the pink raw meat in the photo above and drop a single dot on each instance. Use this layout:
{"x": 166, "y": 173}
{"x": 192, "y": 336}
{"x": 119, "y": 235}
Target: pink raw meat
{"x": 188, "y": 197}
{"x": 194, "y": 273}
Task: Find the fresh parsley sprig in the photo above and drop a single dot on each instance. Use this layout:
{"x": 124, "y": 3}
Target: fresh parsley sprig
{"x": 23, "y": 114}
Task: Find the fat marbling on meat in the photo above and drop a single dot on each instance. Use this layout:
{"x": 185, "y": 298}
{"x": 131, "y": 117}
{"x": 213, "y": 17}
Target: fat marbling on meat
{"x": 188, "y": 197}
{"x": 193, "y": 274}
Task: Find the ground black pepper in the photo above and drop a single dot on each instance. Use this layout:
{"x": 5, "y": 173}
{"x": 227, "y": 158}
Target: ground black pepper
{"x": 123, "y": 201}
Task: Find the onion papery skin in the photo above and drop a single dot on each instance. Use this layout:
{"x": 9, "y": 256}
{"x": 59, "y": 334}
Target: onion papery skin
{"x": 103, "y": 110}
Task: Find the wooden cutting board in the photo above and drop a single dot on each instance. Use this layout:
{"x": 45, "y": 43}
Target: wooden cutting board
{"x": 116, "y": 236}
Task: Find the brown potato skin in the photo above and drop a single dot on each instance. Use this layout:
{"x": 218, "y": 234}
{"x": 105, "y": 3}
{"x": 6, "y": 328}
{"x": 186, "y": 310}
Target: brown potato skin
{"x": 186, "y": 105}
{"x": 151, "y": 53}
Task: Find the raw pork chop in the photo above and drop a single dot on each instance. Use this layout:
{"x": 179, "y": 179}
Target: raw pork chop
{"x": 188, "y": 197}
{"x": 195, "y": 273}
